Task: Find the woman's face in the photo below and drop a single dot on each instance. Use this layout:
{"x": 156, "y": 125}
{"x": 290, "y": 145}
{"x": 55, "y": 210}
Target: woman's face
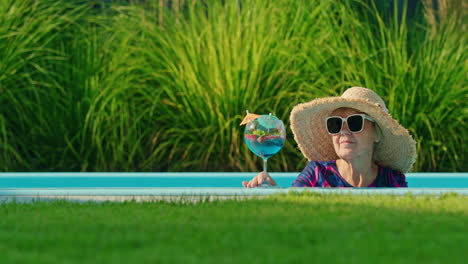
{"x": 348, "y": 145}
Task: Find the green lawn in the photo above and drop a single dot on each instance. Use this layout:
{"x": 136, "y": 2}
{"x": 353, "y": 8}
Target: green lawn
{"x": 293, "y": 228}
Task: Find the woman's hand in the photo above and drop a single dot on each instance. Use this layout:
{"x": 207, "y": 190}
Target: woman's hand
{"x": 258, "y": 180}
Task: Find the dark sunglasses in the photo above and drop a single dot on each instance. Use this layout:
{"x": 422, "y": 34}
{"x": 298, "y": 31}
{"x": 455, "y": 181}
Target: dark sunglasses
{"x": 355, "y": 123}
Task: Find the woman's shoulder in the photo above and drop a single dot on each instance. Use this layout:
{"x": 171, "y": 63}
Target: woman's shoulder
{"x": 392, "y": 177}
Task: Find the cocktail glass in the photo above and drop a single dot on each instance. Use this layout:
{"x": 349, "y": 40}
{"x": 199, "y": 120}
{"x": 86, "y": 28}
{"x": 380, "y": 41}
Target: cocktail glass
{"x": 265, "y": 137}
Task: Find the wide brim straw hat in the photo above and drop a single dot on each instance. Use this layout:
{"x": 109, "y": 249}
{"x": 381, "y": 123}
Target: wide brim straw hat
{"x": 396, "y": 148}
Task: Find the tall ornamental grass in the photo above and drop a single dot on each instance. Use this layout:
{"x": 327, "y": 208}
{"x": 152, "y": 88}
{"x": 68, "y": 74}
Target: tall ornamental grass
{"x": 37, "y": 106}
{"x": 150, "y": 87}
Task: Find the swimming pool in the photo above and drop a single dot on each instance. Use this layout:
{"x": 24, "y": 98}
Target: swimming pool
{"x": 14, "y": 185}
{"x": 193, "y": 180}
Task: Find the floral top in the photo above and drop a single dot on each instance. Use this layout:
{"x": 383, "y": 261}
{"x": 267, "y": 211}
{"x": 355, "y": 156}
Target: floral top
{"x": 325, "y": 174}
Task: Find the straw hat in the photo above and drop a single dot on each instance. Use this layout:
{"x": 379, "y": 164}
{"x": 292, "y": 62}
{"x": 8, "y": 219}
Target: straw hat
{"x": 396, "y": 148}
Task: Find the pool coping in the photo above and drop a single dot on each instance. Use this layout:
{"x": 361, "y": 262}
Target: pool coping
{"x": 195, "y": 195}
{"x": 217, "y": 191}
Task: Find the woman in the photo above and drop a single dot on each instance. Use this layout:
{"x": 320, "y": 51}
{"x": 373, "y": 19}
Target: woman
{"x": 350, "y": 141}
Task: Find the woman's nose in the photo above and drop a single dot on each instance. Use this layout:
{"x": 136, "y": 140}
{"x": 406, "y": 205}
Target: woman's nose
{"x": 344, "y": 129}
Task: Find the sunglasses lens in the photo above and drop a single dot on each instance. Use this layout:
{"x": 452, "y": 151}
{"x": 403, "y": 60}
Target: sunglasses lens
{"x": 334, "y": 125}
{"x": 355, "y": 123}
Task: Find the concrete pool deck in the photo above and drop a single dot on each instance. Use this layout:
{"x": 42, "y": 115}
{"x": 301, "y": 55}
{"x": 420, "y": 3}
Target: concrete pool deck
{"x": 197, "y": 194}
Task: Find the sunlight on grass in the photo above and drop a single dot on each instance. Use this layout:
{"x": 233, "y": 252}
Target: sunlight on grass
{"x": 364, "y": 228}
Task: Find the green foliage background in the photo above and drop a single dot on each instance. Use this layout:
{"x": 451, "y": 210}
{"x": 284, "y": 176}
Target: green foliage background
{"x": 140, "y": 87}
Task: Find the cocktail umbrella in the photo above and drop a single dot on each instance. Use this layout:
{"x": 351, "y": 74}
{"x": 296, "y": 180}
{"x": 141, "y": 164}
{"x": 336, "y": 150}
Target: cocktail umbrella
{"x": 249, "y": 117}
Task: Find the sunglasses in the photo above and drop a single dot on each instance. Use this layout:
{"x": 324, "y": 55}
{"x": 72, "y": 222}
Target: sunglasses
{"x": 355, "y": 123}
